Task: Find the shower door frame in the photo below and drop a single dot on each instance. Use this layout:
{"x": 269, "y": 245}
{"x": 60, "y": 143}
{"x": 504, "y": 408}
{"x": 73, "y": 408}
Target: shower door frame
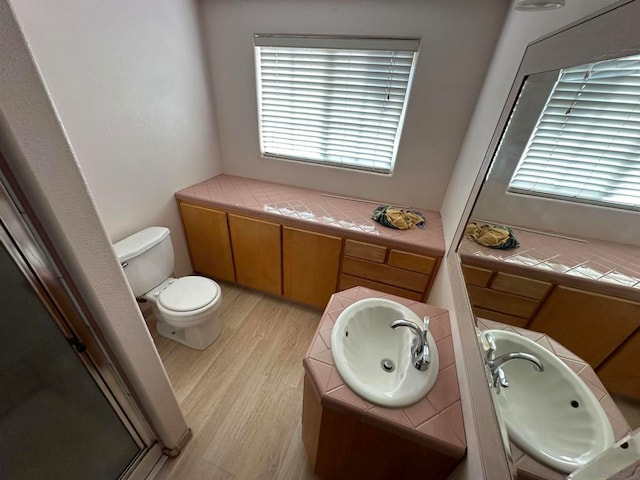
{"x": 33, "y": 254}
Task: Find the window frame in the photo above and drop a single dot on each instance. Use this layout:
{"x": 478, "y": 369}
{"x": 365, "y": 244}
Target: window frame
{"x": 544, "y": 117}
{"x": 335, "y": 42}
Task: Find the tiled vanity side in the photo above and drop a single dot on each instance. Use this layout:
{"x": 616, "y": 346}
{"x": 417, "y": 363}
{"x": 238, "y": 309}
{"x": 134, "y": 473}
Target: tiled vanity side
{"x": 528, "y": 468}
{"x": 432, "y": 429}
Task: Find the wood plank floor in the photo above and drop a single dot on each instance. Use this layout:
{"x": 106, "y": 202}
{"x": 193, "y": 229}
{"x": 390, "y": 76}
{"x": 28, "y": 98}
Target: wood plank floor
{"x": 242, "y": 396}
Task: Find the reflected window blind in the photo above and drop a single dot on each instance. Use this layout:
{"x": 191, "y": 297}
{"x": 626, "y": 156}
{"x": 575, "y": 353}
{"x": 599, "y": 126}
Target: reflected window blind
{"x": 586, "y": 144}
{"x": 333, "y": 101}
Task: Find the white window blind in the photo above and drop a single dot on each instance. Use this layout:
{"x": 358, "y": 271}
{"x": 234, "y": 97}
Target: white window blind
{"x": 334, "y": 101}
{"x": 586, "y": 143}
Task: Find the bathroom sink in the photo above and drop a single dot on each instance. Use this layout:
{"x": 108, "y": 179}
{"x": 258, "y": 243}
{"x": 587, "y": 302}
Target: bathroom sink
{"x": 551, "y": 415}
{"x": 374, "y": 360}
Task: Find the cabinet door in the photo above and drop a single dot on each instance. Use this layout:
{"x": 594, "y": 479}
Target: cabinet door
{"x": 620, "y": 372}
{"x": 311, "y": 262}
{"x": 256, "y": 253}
{"x": 208, "y": 239}
{"x": 588, "y": 324}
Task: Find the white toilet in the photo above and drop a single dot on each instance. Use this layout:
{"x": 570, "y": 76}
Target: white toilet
{"x": 185, "y": 307}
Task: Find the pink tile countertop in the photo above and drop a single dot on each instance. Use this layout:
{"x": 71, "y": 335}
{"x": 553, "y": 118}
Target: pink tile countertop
{"x": 436, "y": 420}
{"x": 306, "y": 208}
{"x": 605, "y": 267}
{"x": 528, "y": 468}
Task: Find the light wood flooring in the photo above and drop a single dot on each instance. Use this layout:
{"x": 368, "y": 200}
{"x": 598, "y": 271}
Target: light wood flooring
{"x": 242, "y": 396}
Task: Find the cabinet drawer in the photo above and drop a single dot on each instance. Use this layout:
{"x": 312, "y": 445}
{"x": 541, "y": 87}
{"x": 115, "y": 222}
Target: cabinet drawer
{"x": 525, "y": 287}
{"x": 476, "y": 276}
{"x": 411, "y": 261}
{"x": 385, "y": 274}
{"x": 502, "y": 302}
{"x": 349, "y": 281}
{"x": 366, "y": 251}
{"x": 500, "y": 317}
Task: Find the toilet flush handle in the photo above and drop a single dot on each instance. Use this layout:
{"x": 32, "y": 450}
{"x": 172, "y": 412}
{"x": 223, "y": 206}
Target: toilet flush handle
{"x": 124, "y": 264}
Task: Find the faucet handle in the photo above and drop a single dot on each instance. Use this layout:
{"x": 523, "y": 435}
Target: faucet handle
{"x": 500, "y": 379}
{"x": 491, "y": 352}
{"x": 425, "y": 324}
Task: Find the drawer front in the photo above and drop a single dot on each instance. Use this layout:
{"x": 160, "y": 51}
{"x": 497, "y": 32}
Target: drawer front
{"x": 500, "y": 317}
{"x": 385, "y": 274}
{"x": 502, "y": 302}
{"x": 411, "y": 261}
{"x": 476, "y": 276}
{"x": 349, "y": 281}
{"x": 366, "y": 251}
{"x": 525, "y": 287}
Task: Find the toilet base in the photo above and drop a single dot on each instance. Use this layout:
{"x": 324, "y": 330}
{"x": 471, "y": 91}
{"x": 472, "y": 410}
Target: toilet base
{"x": 198, "y": 337}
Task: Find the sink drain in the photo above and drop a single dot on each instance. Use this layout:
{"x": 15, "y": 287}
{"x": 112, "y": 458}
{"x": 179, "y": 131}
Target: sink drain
{"x": 387, "y": 365}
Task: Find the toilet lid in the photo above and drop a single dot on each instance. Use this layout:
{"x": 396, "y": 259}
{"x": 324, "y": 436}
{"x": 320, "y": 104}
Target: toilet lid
{"x": 189, "y": 293}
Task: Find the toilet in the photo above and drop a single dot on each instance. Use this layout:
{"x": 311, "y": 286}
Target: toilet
{"x": 184, "y": 307}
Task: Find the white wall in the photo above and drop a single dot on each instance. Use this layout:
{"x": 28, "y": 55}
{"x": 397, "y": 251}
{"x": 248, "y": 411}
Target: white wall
{"x": 40, "y": 157}
{"x": 457, "y": 42}
{"x": 128, "y": 80}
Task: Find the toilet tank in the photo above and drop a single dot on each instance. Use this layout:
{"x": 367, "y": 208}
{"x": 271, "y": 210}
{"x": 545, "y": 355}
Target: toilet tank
{"x": 147, "y": 258}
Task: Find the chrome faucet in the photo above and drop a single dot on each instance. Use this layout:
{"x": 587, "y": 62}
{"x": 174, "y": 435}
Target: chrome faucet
{"x": 420, "y": 346}
{"x": 494, "y": 364}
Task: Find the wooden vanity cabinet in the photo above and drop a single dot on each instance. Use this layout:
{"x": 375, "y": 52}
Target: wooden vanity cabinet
{"x": 589, "y": 324}
{"x": 311, "y": 262}
{"x": 208, "y": 240}
{"x": 620, "y": 373}
{"x": 302, "y": 265}
{"x": 256, "y": 253}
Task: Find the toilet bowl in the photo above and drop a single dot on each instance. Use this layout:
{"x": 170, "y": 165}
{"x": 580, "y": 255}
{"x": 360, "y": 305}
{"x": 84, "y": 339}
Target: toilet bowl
{"x": 185, "y": 308}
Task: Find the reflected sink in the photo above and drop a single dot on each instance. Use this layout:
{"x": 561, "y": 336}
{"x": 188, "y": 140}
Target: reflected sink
{"x": 374, "y": 360}
{"x": 551, "y": 415}
{"x": 620, "y": 461}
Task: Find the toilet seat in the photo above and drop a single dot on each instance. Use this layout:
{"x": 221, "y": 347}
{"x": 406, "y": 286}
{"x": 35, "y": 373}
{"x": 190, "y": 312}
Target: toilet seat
{"x": 189, "y": 294}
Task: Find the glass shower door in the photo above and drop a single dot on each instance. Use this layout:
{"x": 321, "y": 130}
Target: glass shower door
{"x": 55, "y": 420}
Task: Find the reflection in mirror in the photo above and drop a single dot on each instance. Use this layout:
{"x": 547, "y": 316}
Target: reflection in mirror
{"x": 552, "y": 252}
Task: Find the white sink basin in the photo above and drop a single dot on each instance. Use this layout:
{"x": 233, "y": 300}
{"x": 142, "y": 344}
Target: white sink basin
{"x": 551, "y": 415}
{"x": 362, "y": 341}
{"x": 624, "y": 454}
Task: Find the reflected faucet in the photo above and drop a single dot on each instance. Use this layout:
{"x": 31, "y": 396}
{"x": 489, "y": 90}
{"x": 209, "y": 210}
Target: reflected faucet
{"x": 419, "y": 347}
{"x": 494, "y": 365}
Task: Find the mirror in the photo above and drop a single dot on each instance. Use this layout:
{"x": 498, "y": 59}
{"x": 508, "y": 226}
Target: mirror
{"x": 552, "y": 242}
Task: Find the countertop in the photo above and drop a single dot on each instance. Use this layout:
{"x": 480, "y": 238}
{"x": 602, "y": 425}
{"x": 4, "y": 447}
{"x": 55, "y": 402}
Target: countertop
{"x": 315, "y": 210}
{"x": 595, "y": 265}
{"x": 528, "y": 468}
{"x": 436, "y": 420}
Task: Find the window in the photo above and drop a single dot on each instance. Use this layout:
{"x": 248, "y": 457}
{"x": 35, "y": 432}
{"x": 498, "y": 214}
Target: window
{"x": 333, "y": 101}
{"x": 586, "y": 144}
